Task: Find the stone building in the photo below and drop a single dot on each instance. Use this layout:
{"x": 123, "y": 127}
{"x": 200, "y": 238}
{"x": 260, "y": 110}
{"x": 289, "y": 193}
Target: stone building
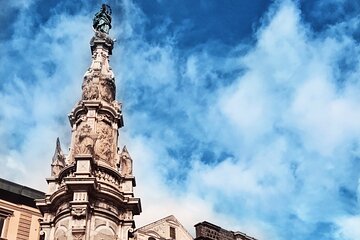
{"x": 169, "y": 228}
{"x": 165, "y": 228}
{"x": 209, "y": 231}
{"x": 19, "y": 217}
{"x": 90, "y": 191}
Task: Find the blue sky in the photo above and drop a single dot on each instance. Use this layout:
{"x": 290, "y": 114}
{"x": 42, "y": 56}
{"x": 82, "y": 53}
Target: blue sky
{"x": 244, "y": 113}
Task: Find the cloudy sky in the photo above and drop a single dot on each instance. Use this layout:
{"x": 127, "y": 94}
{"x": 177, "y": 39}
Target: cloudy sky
{"x": 244, "y": 113}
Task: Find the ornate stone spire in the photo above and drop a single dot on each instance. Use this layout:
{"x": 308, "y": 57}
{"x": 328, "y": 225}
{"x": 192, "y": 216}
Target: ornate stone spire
{"x": 89, "y": 196}
{"x": 125, "y": 162}
{"x": 58, "y": 160}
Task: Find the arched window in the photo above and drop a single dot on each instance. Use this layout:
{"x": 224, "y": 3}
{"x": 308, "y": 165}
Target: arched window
{"x": 151, "y": 238}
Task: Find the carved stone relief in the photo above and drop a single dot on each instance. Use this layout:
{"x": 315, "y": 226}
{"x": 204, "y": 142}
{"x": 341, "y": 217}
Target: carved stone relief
{"x": 106, "y": 177}
{"x": 78, "y": 236}
{"x": 104, "y": 143}
{"x": 107, "y": 90}
{"x": 105, "y": 117}
{"x": 90, "y": 90}
{"x": 81, "y": 118}
{"x": 78, "y": 211}
{"x": 84, "y": 140}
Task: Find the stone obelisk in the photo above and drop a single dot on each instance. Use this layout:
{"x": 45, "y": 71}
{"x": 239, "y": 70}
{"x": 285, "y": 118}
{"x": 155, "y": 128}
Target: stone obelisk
{"x": 90, "y": 194}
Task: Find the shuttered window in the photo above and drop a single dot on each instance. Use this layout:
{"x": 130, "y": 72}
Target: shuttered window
{"x": 172, "y": 233}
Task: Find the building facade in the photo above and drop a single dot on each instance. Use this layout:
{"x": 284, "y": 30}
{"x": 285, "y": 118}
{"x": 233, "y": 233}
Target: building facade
{"x": 209, "y": 231}
{"x": 165, "y": 228}
{"x": 19, "y": 217}
{"x": 90, "y": 191}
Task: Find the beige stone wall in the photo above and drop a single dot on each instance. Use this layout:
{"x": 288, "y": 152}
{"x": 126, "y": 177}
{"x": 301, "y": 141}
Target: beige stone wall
{"x": 164, "y": 233}
{"x": 161, "y": 230}
{"x": 23, "y": 224}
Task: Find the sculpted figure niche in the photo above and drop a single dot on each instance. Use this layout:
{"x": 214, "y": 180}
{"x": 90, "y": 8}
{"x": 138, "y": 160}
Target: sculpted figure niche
{"x": 85, "y": 141}
{"x": 104, "y": 143}
{"x": 107, "y": 91}
{"x": 90, "y": 90}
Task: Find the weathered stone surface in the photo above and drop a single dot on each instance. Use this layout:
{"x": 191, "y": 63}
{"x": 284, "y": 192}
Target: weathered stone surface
{"x": 89, "y": 196}
{"x": 125, "y": 162}
{"x": 209, "y": 231}
{"x": 58, "y": 160}
{"x": 166, "y": 228}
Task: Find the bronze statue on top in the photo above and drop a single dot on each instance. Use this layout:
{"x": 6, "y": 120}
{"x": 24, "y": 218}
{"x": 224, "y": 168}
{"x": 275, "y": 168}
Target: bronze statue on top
{"x": 102, "y": 19}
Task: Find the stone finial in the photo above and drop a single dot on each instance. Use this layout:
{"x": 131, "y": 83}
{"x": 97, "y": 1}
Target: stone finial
{"x": 125, "y": 162}
{"x": 58, "y": 160}
{"x": 125, "y": 152}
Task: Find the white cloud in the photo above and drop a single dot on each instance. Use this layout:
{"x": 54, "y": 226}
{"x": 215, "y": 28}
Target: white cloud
{"x": 289, "y": 134}
{"x": 349, "y": 228}
{"x": 271, "y": 119}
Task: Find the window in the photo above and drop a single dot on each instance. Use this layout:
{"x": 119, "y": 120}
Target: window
{"x": 4, "y": 218}
{"x": 172, "y": 233}
{"x": 2, "y": 223}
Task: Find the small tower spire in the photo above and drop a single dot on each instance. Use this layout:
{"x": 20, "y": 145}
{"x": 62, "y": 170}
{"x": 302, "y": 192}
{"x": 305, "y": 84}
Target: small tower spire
{"x": 125, "y": 162}
{"x": 58, "y": 160}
